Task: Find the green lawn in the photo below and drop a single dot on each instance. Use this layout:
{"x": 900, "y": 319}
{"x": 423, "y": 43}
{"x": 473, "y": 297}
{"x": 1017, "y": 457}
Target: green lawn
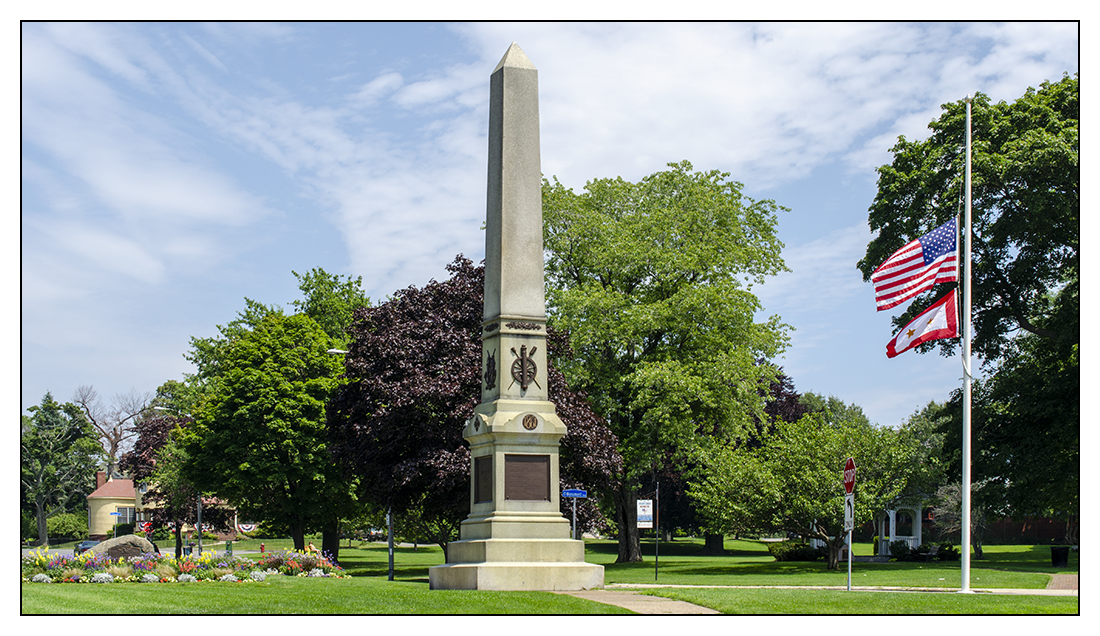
{"x": 747, "y": 563}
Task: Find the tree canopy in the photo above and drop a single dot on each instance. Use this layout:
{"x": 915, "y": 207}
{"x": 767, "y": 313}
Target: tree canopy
{"x": 58, "y": 456}
{"x": 792, "y": 482}
{"x": 259, "y": 437}
{"x": 653, "y": 280}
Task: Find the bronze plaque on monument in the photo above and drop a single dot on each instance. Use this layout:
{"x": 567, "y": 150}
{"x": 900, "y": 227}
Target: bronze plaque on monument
{"x": 483, "y": 479}
{"x": 527, "y": 477}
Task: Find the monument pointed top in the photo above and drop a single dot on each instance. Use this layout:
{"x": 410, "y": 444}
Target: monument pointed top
{"x": 515, "y": 58}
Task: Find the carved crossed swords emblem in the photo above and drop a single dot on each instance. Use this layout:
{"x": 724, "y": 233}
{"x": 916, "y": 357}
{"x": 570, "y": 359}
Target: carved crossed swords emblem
{"x": 524, "y": 368}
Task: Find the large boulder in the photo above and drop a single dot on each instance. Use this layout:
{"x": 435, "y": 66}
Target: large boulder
{"x": 125, "y": 546}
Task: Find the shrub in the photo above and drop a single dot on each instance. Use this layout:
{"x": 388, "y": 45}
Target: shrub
{"x": 228, "y": 578}
{"x": 67, "y": 525}
{"x": 102, "y": 577}
{"x": 785, "y": 551}
{"x": 124, "y": 529}
{"x": 900, "y": 550}
{"x": 258, "y": 576}
{"x": 149, "y": 577}
{"x": 186, "y": 578}
{"x": 41, "y": 578}
{"x": 948, "y": 552}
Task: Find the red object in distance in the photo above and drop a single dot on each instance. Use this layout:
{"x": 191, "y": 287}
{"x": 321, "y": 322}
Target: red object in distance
{"x": 849, "y": 475}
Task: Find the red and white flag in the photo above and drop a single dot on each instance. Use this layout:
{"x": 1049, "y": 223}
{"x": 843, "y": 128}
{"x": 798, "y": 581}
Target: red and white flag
{"x": 938, "y": 322}
{"x": 931, "y": 259}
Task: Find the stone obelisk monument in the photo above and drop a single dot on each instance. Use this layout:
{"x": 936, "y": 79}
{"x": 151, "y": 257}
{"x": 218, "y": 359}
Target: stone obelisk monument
{"x": 515, "y": 537}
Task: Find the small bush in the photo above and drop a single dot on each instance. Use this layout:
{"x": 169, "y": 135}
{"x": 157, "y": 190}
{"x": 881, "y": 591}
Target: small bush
{"x": 124, "y": 529}
{"x": 67, "y": 525}
{"x": 41, "y": 578}
{"x": 948, "y": 552}
{"x": 186, "y": 578}
{"x": 785, "y": 551}
{"x": 900, "y": 550}
{"x": 102, "y": 577}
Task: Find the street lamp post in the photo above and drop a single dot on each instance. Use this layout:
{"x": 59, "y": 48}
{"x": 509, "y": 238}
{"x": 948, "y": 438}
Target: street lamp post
{"x": 198, "y": 517}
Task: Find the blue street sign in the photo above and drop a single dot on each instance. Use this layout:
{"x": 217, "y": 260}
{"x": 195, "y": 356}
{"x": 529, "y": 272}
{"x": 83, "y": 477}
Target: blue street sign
{"x": 116, "y": 514}
{"x": 574, "y": 492}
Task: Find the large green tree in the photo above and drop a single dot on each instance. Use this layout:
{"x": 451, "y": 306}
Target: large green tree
{"x": 58, "y": 457}
{"x": 329, "y": 300}
{"x": 653, "y": 280}
{"x": 793, "y": 481}
{"x": 259, "y": 438}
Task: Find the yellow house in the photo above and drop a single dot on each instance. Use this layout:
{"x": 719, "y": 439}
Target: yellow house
{"x": 116, "y": 494}
{"x": 112, "y": 495}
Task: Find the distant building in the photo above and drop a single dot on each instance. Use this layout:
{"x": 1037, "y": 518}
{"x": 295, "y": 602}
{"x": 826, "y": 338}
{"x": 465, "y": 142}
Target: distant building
{"x": 112, "y": 494}
{"x": 116, "y": 493}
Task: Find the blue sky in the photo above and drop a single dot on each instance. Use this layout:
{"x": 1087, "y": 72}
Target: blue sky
{"x": 171, "y": 169}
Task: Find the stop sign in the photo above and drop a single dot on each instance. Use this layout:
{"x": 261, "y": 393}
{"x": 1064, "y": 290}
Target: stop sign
{"x": 849, "y": 475}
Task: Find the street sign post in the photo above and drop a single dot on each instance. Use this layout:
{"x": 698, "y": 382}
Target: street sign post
{"x": 849, "y": 509}
{"x": 574, "y": 494}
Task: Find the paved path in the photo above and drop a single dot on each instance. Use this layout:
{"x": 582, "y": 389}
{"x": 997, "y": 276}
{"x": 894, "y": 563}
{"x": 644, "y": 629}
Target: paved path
{"x": 641, "y": 603}
{"x": 626, "y": 596}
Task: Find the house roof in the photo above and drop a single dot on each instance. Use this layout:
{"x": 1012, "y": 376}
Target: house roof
{"x": 115, "y": 488}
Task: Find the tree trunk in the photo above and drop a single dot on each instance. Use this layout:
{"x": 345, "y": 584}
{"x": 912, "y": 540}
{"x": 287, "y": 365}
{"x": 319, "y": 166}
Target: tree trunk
{"x": 835, "y": 545}
{"x": 179, "y": 539}
{"x": 626, "y": 516}
{"x": 714, "y": 544}
{"x": 298, "y": 534}
{"x": 330, "y": 542}
{"x": 43, "y": 532}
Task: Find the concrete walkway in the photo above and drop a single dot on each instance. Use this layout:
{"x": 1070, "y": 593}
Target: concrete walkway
{"x": 641, "y": 603}
{"x": 626, "y": 595}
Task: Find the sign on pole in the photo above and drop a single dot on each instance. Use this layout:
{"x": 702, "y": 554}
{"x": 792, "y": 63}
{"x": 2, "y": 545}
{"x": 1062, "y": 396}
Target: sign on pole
{"x": 575, "y": 494}
{"x": 849, "y": 475}
{"x": 849, "y": 509}
{"x": 645, "y": 513}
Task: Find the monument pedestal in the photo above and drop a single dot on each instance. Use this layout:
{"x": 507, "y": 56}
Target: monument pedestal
{"x": 515, "y": 537}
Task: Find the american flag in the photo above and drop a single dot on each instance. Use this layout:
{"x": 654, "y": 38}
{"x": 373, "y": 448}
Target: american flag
{"x": 931, "y": 259}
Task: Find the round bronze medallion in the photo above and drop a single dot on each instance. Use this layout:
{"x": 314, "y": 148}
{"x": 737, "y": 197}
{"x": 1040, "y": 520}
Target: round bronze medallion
{"x": 530, "y": 422}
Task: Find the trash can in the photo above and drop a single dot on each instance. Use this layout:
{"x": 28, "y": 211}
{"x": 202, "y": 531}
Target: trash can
{"x": 1059, "y": 556}
{"x": 186, "y": 550}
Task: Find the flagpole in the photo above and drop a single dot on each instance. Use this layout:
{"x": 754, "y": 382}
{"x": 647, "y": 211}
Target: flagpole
{"x": 967, "y": 379}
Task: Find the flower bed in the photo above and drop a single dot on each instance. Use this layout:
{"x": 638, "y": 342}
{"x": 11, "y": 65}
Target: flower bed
{"x": 43, "y": 567}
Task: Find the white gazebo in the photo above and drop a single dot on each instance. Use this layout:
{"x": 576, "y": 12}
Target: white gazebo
{"x": 900, "y": 524}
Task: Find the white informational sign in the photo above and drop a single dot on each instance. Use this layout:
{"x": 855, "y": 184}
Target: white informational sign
{"x": 645, "y": 513}
{"x": 849, "y": 512}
